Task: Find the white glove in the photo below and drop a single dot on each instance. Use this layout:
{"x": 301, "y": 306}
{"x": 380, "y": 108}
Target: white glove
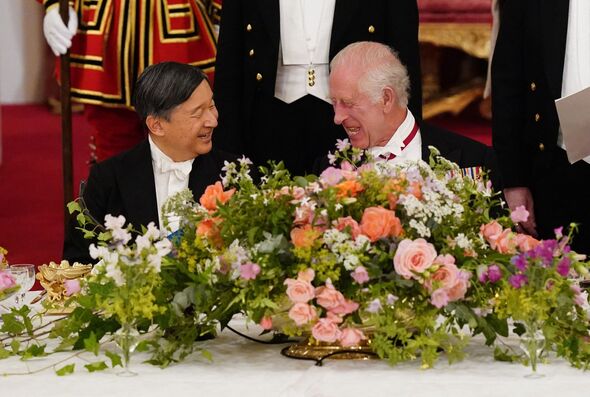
{"x": 58, "y": 36}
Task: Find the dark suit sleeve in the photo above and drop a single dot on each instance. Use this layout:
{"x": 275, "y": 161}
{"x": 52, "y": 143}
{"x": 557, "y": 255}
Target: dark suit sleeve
{"x": 95, "y": 198}
{"x": 508, "y": 96}
{"x": 402, "y": 33}
{"x": 229, "y": 79}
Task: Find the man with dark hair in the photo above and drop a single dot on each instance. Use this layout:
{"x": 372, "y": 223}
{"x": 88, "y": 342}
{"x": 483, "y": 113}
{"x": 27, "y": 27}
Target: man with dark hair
{"x": 369, "y": 89}
{"x": 175, "y": 103}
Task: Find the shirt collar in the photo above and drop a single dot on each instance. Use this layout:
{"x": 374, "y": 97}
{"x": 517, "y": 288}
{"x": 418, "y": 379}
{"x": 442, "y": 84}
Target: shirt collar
{"x": 396, "y": 142}
{"x": 163, "y": 164}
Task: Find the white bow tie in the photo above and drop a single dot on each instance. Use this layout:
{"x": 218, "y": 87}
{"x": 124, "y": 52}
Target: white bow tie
{"x": 181, "y": 169}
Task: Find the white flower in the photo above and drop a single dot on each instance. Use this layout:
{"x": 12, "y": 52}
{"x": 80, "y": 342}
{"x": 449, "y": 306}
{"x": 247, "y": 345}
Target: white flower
{"x": 121, "y": 236}
{"x": 163, "y": 246}
{"x": 331, "y": 158}
{"x": 338, "y": 207}
{"x": 244, "y": 161}
{"x": 155, "y": 261}
{"x": 114, "y": 223}
{"x": 142, "y": 242}
{"x": 97, "y": 252}
{"x": 152, "y": 232}
{"x": 114, "y": 272}
{"x": 342, "y": 144}
{"x": 462, "y": 241}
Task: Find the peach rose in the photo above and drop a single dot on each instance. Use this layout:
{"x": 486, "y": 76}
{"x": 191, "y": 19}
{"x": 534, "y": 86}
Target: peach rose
{"x": 413, "y": 257}
{"x": 345, "y": 307}
{"x": 491, "y": 231}
{"x": 416, "y": 190}
{"x": 353, "y": 226}
{"x": 349, "y": 188}
{"x": 458, "y": 290}
{"x": 445, "y": 276}
{"x": 335, "y": 318}
{"x": 328, "y": 297}
{"x": 351, "y": 337}
{"x": 326, "y": 331}
{"x": 306, "y": 275}
{"x": 214, "y": 194}
{"x": 266, "y": 323}
{"x": 302, "y": 313}
{"x": 506, "y": 242}
{"x": 526, "y": 242}
{"x": 378, "y": 222}
{"x": 299, "y": 291}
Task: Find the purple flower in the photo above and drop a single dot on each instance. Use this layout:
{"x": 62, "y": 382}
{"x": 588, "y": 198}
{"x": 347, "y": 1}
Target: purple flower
{"x": 374, "y": 306}
{"x": 518, "y": 280}
{"x": 482, "y": 273}
{"x": 249, "y": 271}
{"x": 391, "y": 299}
{"x": 520, "y": 214}
{"x": 494, "y": 273}
{"x": 520, "y": 262}
{"x": 558, "y": 232}
{"x": 563, "y": 267}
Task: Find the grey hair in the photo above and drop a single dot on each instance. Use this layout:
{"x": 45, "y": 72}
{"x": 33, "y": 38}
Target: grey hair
{"x": 382, "y": 69}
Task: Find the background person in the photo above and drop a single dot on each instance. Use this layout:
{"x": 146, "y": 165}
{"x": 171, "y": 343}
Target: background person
{"x": 542, "y": 54}
{"x": 273, "y": 67}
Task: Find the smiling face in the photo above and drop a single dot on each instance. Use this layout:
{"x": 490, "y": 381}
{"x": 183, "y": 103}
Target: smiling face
{"x": 364, "y": 121}
{"x": 188, "y": 131}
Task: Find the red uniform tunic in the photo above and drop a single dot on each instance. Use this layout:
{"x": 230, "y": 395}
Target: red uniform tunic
{"x": 117, "y": 40}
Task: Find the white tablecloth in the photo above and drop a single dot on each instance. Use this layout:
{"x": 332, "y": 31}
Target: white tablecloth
{"x": 244, "y": 368}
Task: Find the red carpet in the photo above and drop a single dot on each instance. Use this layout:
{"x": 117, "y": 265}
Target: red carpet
{"x": 31, "y": 204}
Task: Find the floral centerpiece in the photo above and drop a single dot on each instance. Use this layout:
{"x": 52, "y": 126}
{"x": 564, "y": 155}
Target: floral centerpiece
{"x": 404, "y": 255}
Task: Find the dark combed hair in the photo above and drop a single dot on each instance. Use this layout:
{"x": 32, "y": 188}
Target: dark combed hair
{"x": 163, "y": 86}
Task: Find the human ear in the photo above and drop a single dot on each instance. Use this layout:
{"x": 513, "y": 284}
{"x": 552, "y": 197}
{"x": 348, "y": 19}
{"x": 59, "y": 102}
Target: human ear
{"x": 389, "y": 99}
{"x": 154, "y": 124}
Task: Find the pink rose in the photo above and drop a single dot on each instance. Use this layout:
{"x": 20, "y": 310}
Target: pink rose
{"x": 6, "y": 280}
{"x": 249, "y": 271}
{"x": 439, "y": 298}
{"x": 491, "y": 231}
{"x": 351, "y": 337}
{"x": 72, "y": 287}
{"x": 302, "y": 313}
{"x": 360, "y": 275}
{"x": 526, "y": 242}
{"x": 331, "y": 176}
{"x": 266, "y": 323}
{"x": 520, "y": 214}
{"x": 326, "y": 331}
{"x": 299, "y": 291}
{"x": 413, "y": 257}
{"x": 353, "y": 227}
{"x": 445, "y": 276}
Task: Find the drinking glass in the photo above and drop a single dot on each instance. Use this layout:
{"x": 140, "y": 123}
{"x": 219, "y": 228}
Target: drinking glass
{"x": 24, "y": 274}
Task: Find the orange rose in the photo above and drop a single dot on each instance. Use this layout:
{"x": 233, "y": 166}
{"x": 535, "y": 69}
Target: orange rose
{"x": 506, "y": 242}
{"x": 378, "y": 222}
{"x": 209, "y": 229}
{"x": 491, "y": 232}
{"x": 213, "y": 194}
{"x": 526, "y": 242}
{"x": 349, "y": 188}
{"x": 392, "y": 199}
{"x": 304, "y": 237}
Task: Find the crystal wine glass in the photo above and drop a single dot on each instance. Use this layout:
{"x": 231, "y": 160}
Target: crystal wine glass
{"x": 24, "y": 274}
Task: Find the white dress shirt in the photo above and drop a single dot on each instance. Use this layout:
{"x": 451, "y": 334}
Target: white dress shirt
{"x": 304, "y": 54}
{"x": 403, "y": 153}
{"x": 576, "y": 67}
{"x": 170, "y": 178}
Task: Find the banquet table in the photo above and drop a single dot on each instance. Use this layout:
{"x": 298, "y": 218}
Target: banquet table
{"x": 244, "y": 368}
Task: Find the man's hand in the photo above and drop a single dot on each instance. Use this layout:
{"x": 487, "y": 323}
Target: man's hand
{"x": 58, "y": 36}
{"x": 516, "y": 196}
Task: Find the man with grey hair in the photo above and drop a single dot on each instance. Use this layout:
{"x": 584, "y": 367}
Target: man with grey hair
{"x": 369, "y": 90}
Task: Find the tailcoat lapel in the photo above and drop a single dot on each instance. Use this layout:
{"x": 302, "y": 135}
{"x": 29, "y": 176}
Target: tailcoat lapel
{"x": 554, "y": 20}
{"x": 138, "y": 189}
